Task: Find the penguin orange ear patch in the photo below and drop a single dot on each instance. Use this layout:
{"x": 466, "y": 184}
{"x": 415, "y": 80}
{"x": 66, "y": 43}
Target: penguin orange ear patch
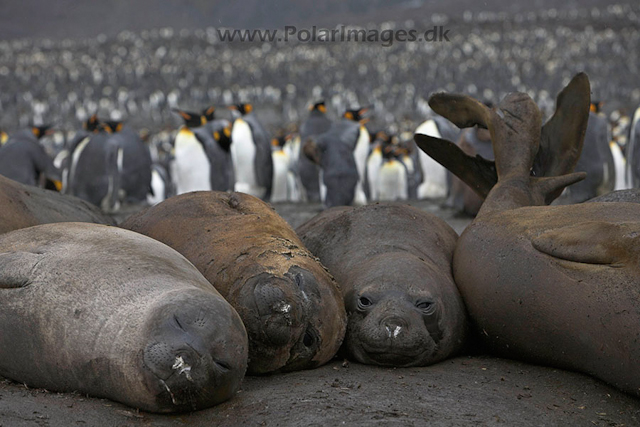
{"x": 184, "y": 115}
{"x": 322, "y": 108}
{"x": 248, "y": 108}
{"x": 348, "y": 115}
{"x": 216, "y": 135}
{"x": 227, "y": 131}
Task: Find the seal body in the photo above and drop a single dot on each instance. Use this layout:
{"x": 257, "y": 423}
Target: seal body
{"x": 25, "y": 206}
{"x": 558, "y": 286}
{"x": 393, "y": 264}
{"x": 110, "y": 313}
{"x": 290, "y": 305}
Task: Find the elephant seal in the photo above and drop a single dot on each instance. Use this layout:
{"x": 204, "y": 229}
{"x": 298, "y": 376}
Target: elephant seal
{"x": 290, "y": 305}
{"x": 393, "y": 264}
{"x": 111, "y": 313}
{"x": 25, "y": 206}
{"x": 553, "y": 285}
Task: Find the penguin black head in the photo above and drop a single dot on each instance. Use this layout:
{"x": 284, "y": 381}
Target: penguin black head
{"x": 355, "y": 115}
{"x": 40, "y": 131}
{"x": 113, "y": 126}
{"x": 191, "y": 120}
{"x": 223, "y": 138}
{"x": 596, "y": 106}
{"x": 390, "y": 148}
{"x": 92, "y": 124}
{"x": 318, "y": 106}
{"x": 242, "y": 108}
{"x": 209, "y": 113}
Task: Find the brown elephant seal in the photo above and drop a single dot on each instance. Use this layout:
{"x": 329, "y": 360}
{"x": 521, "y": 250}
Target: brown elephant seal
{"x": 554, "y": 285}
{"x": 111, "y": 313}
{"x": 393, "y": 264}
{"x": 25, "y": 206}
{"x": 289, "y": 304}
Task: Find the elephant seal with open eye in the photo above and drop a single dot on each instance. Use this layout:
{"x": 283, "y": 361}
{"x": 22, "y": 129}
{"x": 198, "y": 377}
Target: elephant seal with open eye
{"x": 289, "y": 303}
{"x": 393, "y": 264}
{"x": 25, "y": 206}
{"x": 553, "y": 285}
{"x": 111, "y": 313}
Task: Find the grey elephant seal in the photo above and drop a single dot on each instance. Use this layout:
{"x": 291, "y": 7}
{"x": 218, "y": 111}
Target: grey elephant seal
{"x": 553, "y": 285}
{"x": 393, "y": 264}
{"x": 111, "y": 313}
{"x": 25, "y": 206}
{"x": 289, "y": 303}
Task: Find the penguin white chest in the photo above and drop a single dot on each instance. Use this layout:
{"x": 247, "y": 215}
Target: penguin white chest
{"x": 192, "y": 168}
{"x": 374, "y": 163}
{"x": 360, "y": 154}
{"x": 393, "y": 181}
{"x": 279, "y": 191}
{"x": 435, "y": 175}
{"x": 243, "y": 154}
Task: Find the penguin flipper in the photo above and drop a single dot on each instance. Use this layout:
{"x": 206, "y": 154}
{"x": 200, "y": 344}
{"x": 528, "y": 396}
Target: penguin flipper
{"x": 477, "y": 172}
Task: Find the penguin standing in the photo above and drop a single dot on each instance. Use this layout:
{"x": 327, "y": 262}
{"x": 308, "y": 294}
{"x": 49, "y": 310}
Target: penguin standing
{"x": 24, "y": 160}
{"x": 316, "y": 124}
{"x": 136, "y": 163}
{"x": 392, "y": 180}
{"x": 191, "y": 169}
{"x": 374, "y": 163}
{"x": 333, "y": 152}
{"x": 251, "y": 153}
{"x": 96, "y": 170}
{"x": 219, "y": 153}
{"x": 280, "y": 158}
{"x": 435, "y": 176}
{"x": 360, "y": 152}
{"x": 62, "y": 161}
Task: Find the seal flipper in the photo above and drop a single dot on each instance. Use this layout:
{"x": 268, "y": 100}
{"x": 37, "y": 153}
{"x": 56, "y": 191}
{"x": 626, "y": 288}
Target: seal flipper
{"x": 16, "y": 269}
{"x": 562, "y": 136}
{"x": 594, "y": 242}
{"x": 480, "y": 174}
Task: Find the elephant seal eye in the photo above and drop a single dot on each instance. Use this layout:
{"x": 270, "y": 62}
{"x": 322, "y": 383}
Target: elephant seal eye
{"x": 426, "y": 307}
{"x": 364, "y": 302}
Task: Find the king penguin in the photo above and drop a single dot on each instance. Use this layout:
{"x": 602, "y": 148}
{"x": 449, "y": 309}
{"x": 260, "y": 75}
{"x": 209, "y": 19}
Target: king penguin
{"x": 316, "y": 124}
{"x": 374, "y": 163}
{"x": 392, "y": 180}
{"x": 360, "y": 152}
{"x": 96, "y": 170}
{"x": 434, "y": 183}
{"x": 251, "y": 153}
{"x": 23, "y": 159}
{"x": 191, "y": 168}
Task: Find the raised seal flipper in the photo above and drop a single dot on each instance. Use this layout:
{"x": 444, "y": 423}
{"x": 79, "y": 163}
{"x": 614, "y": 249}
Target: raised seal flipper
{"x": 563, "y": 135}
{"x": 593, "y": 242}
{"x": 16, "y": 268}
{"x": 461, "y": 110}
{"x": 480, "y": 174}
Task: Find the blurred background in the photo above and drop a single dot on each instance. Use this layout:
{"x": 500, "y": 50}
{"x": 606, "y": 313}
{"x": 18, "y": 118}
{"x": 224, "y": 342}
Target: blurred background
{"x": 61, "y": 61}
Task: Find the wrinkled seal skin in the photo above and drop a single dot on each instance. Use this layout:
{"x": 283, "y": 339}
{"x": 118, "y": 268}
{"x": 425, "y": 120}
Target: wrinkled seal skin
{"x": 559, "y": 286}
{"x": 393, "y": 264}
{"x": 25, "y": 206}
{"x": 554, "y": 285}
{"x": 290, "y": 305}
{"x": 110, "y": 313}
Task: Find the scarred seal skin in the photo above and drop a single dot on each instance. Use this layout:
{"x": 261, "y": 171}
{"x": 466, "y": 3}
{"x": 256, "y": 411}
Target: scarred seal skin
{"x": 393, "y": 264}
{"x": 111, "y": 313}
{"x": 25, "y": 206}
{"x": 289, "y": 303}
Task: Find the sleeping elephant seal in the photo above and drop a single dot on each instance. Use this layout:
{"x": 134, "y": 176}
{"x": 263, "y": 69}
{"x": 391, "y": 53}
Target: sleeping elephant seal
{"x": 290, "y": 305}
{"x": 110, "y": 313}
{"x": 25, "y": 206}
{"x": 553, "y": 285}
{"x": 393, "y": 264}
